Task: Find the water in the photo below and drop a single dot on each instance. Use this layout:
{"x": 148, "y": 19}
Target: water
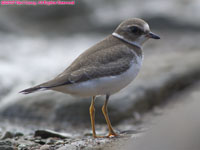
{"x": 26, "y": 61}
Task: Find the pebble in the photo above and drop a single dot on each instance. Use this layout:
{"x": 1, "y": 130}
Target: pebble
{"x": 68, "y": 147}
{"x": 40, "y": 141}
{"x": 8, "y": 143}
{"x": 6, "y": 148}
{"x": 45, "y": 147}
{"x": 22, "y": 147}
{"x": 50, "y": 141}
{"x": 59, "y": 142}
{"x": 48, "y": 133}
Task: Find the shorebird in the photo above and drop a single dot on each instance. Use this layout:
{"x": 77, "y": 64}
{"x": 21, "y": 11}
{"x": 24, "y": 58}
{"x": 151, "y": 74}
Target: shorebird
{"x": 105, "y": 68}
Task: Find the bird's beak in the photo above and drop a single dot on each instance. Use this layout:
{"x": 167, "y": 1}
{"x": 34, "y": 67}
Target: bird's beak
{"x": 153, "y": 35}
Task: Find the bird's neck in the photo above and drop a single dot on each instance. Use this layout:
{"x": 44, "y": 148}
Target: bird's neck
{"x": 126, "y": 40}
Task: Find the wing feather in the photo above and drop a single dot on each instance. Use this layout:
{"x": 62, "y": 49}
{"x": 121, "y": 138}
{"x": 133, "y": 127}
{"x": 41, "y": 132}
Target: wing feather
{"x": 88, "y": 66}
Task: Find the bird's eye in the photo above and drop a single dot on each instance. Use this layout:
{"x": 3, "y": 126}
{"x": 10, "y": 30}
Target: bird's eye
{"x": 135, "y": 30}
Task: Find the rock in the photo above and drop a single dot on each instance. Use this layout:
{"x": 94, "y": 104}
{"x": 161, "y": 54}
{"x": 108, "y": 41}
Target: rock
{"x": 22, "y": 147}
{"x": 7, "y": 134}
{"x": 51, "y": 141}
{"x": 42, "y": 142}
{"x": 24, "y": 143}
{"x": 179, "y": 125}
{"x": 45, "y": 147}
{"x": 17, "y": 134}
{"x": 6, "y": 148}
{"x": 47, "y": 134}
{"x": 68, "y": 147}
{"x": 6, "y": 145}
{"x": 59, "y": 142}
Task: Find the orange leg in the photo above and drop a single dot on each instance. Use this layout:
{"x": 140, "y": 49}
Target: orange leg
{"x": 92, "y": 116}
{"x": 105, "y": 113}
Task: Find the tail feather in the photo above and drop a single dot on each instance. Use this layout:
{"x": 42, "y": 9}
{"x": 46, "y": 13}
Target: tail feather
{"x": 31, "y": 90}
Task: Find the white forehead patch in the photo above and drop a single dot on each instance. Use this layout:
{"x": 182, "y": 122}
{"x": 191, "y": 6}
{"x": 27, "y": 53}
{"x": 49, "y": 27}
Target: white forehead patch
{"x": 146, "y": 27}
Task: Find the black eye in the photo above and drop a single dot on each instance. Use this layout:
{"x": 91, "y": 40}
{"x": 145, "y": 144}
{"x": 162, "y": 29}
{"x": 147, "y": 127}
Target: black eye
{"x": 135, "y": 30}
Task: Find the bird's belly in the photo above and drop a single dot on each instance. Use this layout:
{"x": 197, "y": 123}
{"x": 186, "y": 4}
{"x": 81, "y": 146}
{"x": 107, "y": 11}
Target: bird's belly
{"x": 104, "y": 85}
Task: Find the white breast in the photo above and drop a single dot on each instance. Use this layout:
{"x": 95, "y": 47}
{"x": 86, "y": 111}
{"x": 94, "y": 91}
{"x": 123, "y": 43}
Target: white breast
{"x": 105, "y": 85}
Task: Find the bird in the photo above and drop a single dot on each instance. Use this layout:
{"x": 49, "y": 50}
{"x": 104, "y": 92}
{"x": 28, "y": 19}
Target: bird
{"x": 105, "y": 68}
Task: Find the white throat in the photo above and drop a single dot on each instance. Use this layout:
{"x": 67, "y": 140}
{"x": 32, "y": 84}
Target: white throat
{"x": 130, "y": 42}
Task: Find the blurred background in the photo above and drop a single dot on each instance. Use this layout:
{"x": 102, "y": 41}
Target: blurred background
{"x": 39, "y": 42}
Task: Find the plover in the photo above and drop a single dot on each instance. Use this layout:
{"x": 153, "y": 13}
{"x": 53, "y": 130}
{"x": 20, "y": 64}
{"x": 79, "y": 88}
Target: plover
{"x": 105, "y": 68}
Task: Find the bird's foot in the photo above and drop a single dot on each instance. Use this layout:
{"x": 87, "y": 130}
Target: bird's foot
{"x": 98, "y": 136}
{"x": 111, "y": 135}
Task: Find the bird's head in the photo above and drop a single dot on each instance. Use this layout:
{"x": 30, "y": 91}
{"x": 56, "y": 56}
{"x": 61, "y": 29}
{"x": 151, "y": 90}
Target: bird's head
{"x": 134, "y": 31}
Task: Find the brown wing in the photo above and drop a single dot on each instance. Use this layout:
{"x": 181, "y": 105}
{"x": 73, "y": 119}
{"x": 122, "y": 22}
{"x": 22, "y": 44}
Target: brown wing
{"x": 106, "y": 62}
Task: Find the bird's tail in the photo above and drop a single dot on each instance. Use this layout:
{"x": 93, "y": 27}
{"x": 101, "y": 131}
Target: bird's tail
{"x": 32, "y": 89}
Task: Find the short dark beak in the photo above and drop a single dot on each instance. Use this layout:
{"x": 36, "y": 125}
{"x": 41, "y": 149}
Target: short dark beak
{"x": 153, "y": 35}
